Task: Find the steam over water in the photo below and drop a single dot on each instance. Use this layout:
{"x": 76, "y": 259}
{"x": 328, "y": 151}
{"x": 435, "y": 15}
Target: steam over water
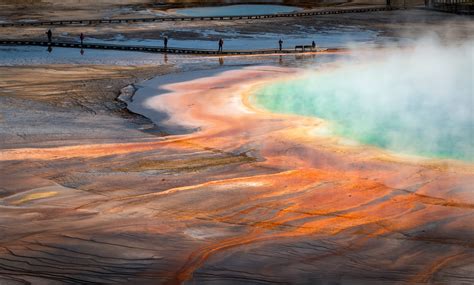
{"x": 411, "y": 101}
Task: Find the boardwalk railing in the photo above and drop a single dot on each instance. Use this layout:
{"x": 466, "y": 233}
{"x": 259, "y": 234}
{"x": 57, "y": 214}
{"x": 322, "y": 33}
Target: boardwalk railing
{"x": 173, "y": 50}
{"x": 453, "y": 6}
{"x": 209, "y": 18}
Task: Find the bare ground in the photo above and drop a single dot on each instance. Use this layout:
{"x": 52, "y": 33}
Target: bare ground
{"x": 46, "y": 105}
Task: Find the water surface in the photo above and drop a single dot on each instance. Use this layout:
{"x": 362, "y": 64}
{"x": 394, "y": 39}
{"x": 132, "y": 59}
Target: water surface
{"x": 208, "y": 39}
{"x": 237, "y": 10}
{"x": 411, "y": 104}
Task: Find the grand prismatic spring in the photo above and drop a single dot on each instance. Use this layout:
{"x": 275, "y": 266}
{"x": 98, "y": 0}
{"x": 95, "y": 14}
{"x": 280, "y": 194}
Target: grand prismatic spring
{"x": 412, "y": 108}
{"x": 350, "y": 162}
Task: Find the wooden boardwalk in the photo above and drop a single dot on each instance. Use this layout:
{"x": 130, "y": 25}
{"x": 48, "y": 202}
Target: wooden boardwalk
{"x": 152, "y": 49}
{"x": 211, "y": 18}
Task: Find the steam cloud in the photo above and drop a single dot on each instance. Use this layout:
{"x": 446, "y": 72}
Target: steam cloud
{"x": 416, "y": 101}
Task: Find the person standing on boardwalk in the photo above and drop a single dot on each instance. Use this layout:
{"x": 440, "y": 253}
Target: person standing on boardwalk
{"x": 165, "y": 42}
{"x": 221, "y": 45}
{"x": 280, "y": 43}
{"x": 313, "y": 45}
{"x": 50, "y": 35}
{"x": 82, "y": 38}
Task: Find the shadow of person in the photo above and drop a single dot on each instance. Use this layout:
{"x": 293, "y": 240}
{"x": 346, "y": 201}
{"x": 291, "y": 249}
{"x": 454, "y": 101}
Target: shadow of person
{"x": 49, "y": 49}
{"x": 221, "y": 61}
{"x": 82, "y": 51}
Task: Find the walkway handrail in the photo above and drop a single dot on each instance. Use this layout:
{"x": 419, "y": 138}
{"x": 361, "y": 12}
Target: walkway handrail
{"x": 152, "y": 49}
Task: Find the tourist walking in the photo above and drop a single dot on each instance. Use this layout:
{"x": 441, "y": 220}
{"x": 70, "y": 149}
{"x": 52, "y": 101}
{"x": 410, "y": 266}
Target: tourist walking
{"x": 82, "y": 38}
{"x": 50, "y": 35}
{"x": 221, "y": 45}
{"x": 165, "y": 42}
{"x": 280, "y": 43}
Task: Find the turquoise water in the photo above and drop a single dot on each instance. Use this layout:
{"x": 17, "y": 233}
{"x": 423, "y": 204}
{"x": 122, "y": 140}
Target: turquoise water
{"x": 424, "y": 112}
{"x": 237, "y": 10}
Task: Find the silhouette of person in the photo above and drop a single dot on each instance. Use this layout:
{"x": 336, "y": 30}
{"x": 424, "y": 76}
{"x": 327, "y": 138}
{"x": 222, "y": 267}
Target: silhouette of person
{"x": 50, "y": 35}
{"x": 221, "y": 45}
{"x": 313, "y": 44}
{"x": 82, "y": 38}
{"x": 165, "y": 42}
{"x": 280, "y": 43}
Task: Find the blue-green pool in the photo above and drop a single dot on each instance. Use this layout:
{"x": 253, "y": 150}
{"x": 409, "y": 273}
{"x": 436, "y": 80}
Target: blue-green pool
{"x": 237, "y": 10}
{"x": 408, "y": 109}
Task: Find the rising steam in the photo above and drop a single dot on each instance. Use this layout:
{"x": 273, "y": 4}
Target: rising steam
{"x": 416, "y": 101}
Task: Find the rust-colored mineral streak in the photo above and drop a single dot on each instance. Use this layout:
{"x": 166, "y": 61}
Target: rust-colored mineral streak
{"x": 251, "y": 197}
